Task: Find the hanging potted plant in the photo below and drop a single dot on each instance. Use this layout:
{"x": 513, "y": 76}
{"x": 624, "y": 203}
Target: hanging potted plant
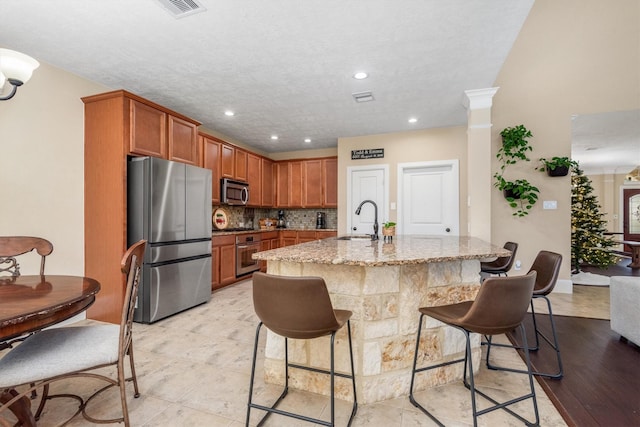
{"x": 556, "y": 166}
{"x": 520, "y": 193}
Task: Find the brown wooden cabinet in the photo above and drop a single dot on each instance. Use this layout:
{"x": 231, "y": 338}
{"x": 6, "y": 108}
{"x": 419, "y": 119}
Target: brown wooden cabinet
{"x": 183, "y": 146}
{"x": 312, "y": 183}
{"x": 157, "y": 133}
{"x": 306, "y": 236}
{"x": 223, "y": 262}
{"x": 227, "y": 165}
{"x": 270, "y": 240}
{"x": 117, "y": 123}
{"x": 240, "y": 160}
{"x": 325, "y": 234}
{"x": 268, "y": 183}
{"x": 147, "y": 129}
{"x": 211, "y": 153}
{"x": 330, "y": 180}
{"x": 282, "y": 184}
{"x": 296, "y": 183}
{"x": 288, "y": 238}
{"x": 254, "y": 178}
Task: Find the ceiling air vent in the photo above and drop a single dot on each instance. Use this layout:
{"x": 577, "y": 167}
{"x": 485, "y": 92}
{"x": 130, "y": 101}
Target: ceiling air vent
{"x": 181, "y": 8}
{"x": 363, "y": 96}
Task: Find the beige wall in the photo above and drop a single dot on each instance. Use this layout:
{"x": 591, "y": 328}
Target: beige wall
{"x": 42, "y": 166}
{"x": 404, "y": 147}
{"x": 571, "y": 57}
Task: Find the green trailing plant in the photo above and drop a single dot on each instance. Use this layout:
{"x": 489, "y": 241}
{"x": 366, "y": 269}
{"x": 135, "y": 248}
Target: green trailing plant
{"x": 520, "y": 193}
{"x": 556, "y": 164}
{"x": 389, "y": 224}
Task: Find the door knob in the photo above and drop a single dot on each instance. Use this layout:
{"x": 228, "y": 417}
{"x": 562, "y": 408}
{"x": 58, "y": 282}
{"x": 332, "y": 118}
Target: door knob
{"x": 447, "y": 229}
{"x": 354, "y": 228}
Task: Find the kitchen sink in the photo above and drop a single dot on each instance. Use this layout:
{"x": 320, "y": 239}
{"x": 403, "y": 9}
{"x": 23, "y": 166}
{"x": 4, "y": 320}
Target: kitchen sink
{"x": 355, "y": 237}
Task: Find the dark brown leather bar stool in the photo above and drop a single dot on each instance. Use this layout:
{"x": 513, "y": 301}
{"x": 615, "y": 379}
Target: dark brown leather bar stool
{"x": 298, "y": 308}
{"x": 547, "y": 265}
{"x": 500, "y": 266}
{"x": 499, "y": 307}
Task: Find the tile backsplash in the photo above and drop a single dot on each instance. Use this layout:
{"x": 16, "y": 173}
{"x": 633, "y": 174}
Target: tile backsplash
{"x": 296, "y": 218}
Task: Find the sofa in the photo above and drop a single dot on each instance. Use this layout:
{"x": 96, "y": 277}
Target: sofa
{"x": 625, "y": 307}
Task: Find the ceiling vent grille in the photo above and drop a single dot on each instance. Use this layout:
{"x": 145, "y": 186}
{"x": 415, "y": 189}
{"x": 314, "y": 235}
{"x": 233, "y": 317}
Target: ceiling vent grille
{"x": 181, "y": 8}
{"x": 363, "y": 96}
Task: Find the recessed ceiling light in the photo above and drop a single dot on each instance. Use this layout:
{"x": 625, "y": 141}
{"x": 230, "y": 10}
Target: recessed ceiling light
{"x": 274, "y": 137}
{"x": 307, "y": 140}
{"x": 229, "y": 113}
{"x": 360, "y": 75}
{"x": 413, "y": 120}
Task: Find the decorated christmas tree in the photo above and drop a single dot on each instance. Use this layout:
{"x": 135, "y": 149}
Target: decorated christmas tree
{"x": 589, "y": 245}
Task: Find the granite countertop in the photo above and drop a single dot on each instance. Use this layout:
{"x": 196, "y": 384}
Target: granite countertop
{"x": 215, "y": 233}
{"x": 403, "y": 250}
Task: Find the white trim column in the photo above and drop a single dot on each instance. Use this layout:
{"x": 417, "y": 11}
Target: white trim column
{"x": 478, "y": 103}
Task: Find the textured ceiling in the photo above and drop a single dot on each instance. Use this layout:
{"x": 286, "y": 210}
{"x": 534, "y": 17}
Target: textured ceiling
{"x": 607, "y": 142}
{"x": 283, "y": 66}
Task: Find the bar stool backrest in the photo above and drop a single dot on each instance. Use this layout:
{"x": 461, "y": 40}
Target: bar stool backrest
{"x": 547, "y": 265}
{"x": 500, "y": 305}
{"x": 294, "y": 307}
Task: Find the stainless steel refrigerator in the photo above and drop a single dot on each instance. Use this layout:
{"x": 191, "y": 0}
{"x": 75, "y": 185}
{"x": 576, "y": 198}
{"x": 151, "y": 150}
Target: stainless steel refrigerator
{"x": 169, "y": 205}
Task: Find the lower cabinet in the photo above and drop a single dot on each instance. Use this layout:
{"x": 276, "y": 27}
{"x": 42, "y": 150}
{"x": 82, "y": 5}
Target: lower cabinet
{"x": 270, "y": 240}
{"x": 223, "y": 251}
{"x": 223, "y": 261}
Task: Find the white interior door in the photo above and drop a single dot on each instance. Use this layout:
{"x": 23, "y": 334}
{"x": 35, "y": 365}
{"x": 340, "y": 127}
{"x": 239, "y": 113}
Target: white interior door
{"x": 428, "y": 198}
{"x": 367, "y": 183}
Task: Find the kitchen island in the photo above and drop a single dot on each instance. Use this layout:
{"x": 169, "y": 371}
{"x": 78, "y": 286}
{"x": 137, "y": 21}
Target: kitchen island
{"x": 384, "y": 284}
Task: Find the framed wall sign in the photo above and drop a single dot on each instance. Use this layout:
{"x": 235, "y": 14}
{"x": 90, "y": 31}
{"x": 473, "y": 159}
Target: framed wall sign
{"x": 370, "y": 153}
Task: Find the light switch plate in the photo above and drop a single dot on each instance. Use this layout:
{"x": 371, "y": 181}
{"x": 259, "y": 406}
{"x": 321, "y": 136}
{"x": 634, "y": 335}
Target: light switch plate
{"x": 550, "y": 204}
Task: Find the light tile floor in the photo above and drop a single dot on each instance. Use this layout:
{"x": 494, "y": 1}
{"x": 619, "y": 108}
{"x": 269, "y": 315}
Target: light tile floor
{"x": 193, "y": 370}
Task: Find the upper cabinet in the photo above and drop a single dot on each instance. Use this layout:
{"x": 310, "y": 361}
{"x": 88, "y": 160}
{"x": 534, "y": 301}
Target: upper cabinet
{"x": 147, "y": 130}
{"x": 254, "y": 179}
{"x": 268, "y": 183}
{"x": 310, "y": 183}
{"x": 228, "y": 161}
{"x": 240, "y": 160}
{"x": 155, "y": 131}
{"x": 330, "y": 181}
{"x": 182, "y": 141}
{"x": 234, "y": 162}
{"x": 313, "y": 183}
{"x": 211, "y": 153}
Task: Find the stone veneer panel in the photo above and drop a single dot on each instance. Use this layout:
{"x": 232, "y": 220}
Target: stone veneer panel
{"x": 384, "y": 290}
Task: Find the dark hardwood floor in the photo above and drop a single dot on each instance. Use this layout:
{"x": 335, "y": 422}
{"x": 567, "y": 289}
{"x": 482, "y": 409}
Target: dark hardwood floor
{"x": 620, "y": 269}
{"x": 601, "y": 384}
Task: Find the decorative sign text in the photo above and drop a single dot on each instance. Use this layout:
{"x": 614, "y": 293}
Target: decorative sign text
{"x": 372, "y": 153}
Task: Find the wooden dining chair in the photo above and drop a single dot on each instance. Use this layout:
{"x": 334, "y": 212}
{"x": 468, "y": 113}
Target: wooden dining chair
{"x": 14, "y": 246}
{"x": 77, "y": 351}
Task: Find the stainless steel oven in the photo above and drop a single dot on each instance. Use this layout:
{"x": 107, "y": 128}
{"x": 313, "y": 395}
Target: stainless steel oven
{"x": 247, "y": 245}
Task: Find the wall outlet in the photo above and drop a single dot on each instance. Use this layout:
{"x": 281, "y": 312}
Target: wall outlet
{"x": 517, "y": 265}
{"x": 550, "y": 204}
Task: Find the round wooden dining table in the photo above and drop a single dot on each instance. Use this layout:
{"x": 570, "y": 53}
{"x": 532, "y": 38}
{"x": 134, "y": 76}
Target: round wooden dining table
{"x": 31, "y": 303}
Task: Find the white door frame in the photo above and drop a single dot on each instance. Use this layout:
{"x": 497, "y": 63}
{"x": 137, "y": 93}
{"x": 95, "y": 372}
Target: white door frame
{"x": 455, "y": 166}
{"x": 383, "y": 211}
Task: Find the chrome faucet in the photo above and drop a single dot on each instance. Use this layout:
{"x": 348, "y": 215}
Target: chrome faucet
{"x": 374, "y": 236}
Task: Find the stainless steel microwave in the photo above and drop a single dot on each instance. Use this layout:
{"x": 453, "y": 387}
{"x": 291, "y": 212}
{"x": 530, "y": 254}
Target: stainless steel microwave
{"x": 234, "y": 192}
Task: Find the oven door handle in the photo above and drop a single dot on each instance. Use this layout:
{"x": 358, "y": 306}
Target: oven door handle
{"x": 254, "y": 245}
